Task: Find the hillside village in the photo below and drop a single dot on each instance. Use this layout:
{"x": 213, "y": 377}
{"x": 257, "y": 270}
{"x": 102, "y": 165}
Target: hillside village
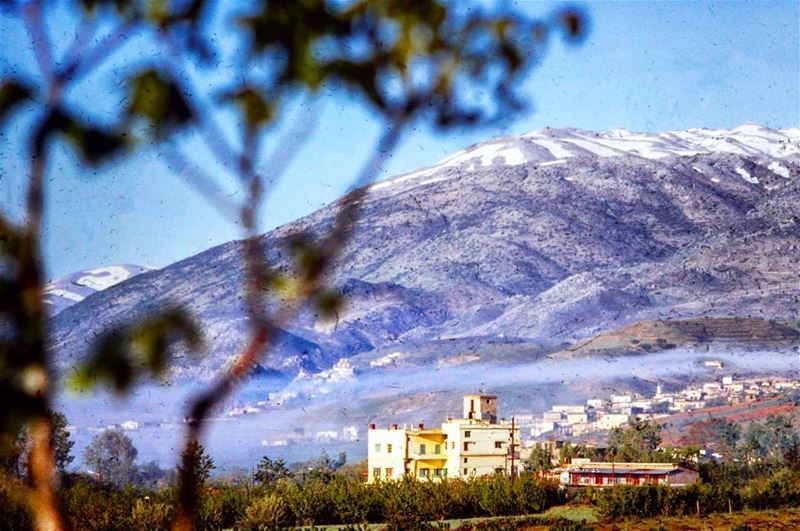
{"x": 478, "y": 444}
{"x": 602, "y": 414}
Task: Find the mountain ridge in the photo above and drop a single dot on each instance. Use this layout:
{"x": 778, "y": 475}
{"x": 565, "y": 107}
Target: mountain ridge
{"x": 544, "y": 250}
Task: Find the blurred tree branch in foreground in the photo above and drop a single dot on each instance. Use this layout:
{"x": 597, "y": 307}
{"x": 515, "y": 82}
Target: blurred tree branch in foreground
{"x": 448, "y": 64}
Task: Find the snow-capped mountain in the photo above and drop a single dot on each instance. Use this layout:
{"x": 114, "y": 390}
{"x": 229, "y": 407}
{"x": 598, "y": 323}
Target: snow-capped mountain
{"x": 66, "y": 291}
{"x": 552, "y": 146}
{"x": 546, "y": 238}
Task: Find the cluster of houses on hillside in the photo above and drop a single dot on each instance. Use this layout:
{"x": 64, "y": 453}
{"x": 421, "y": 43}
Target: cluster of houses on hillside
{"x": 601, "y": 414}
{"x": 478, "y": 444}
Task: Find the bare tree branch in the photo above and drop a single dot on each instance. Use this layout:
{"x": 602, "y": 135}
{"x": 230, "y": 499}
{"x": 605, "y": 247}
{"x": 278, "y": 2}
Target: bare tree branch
{"x": 81, "y": 64}
{"x": 200, "y": 181}
{"x": 265, "y": 328}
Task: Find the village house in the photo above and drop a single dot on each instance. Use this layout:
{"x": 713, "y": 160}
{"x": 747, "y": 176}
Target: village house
{"x": 473, "y": 446}
{"x": 584, "y": 473}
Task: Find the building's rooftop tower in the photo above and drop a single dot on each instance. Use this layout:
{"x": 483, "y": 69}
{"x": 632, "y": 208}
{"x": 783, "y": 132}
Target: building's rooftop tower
{"x": 480, "y": 407}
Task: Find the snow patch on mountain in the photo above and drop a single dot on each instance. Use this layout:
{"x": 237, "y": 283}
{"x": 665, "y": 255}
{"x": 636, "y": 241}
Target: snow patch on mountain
{"x": 779, "y": 169}
{"x": 746, "y": 175}
{"x": 66, "y": 291}
{"x": 553, "y": 146}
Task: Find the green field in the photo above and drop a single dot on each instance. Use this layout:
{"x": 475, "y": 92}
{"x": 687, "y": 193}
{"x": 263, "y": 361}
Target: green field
{"x": 783, "y": 520}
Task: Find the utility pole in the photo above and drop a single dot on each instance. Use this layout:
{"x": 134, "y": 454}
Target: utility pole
{"x": 513, "y": 470}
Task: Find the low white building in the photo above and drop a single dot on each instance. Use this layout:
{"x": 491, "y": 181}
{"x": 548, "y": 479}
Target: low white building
{"x": 621, "y": 399}
{"x": 568, "y": 409}
{"x": 576, "y": 418}
{"x": 541, "y": 427}
{"x": 609, "y": 421}
{"x": 553, "y": 416}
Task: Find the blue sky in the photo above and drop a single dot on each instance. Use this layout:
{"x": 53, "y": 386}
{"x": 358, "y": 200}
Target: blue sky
{"x": 646, "y": 66}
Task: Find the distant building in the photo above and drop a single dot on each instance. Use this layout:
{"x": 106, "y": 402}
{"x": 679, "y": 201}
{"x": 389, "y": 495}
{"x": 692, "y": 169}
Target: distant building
{"x": 540, "y": 427}
{"x": 552, "y": 416}
{"x": 596, "y": 403}
{"x": 577, "y": 418}
{"x": 473, "y": 446}
{"x": 608, "y": 474}
{"x": 611, "y": 420}
{"x": 568, "y": 409}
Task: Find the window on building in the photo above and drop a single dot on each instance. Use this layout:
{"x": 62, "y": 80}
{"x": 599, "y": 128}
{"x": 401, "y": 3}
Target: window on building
{"x": 388, "y": 472}
{"x": 498, "y": 444}
{"x": 423, "y": 472}
{"x": 437, "y": 448}
{"x": 376, "y": 473}
{"x": 377, "y": 448}
{"x": 453, "y": 445}
{"x": 388, "y": 448}
{"x": 466, "y": 446}
{"x": 466, "y": 471}
{"x": 467, "y": 434}
{"x": 422, "y": 449}
{"x": 498, "y": 470}
{"x": 437, "y": 472}
{"x": 444, "y": 472}
{"x": 465, "y": 459}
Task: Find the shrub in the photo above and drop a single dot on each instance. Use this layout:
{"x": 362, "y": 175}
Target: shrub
{"x": 495, "y": 496}
{"x": 266, "y": 512}
{"x": 628, "y": 500}
{"x": 402, "y": 507}
{"x": 349, "y": 500}
{"x": 534, "y": 495}
{"x": 13, "y": 511}
{"x": 309, "y": 502}
{"x": 781, "y": 489}
{"x": 151, "y": 515}
{"x": 222, "y": 507}
{"x": 90, "y": 507}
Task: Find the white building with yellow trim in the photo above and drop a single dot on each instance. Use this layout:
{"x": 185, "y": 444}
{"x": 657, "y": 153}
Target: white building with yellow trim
{"x": 473, "y": 446}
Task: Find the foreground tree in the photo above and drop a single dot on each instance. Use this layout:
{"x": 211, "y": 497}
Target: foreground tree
{"x": 15, "y": 459}
{"x": 268, "y": 471}
{"x": 195, "y": 462}
{"x": 637, "y": 442}
{"x": 774, "y": 440}
{"x": 540, "y": 460}
{"x": 112, "y": 458}
{"x": 441, "y": 63}
{"x": 725, "y": 435}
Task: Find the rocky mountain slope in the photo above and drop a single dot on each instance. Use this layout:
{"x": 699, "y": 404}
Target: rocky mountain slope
{"x": 655, "y": 336}
{"x": 543, "y": 239}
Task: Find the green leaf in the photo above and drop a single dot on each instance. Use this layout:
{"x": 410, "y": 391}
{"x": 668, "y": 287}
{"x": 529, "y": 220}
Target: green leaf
{"x": 254, "y": 108}
{"x": 93, "y": 144}
{"x": 159, "y": 101}
{"x": 135, "y": 350}
{"x": 329, "y": 303}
